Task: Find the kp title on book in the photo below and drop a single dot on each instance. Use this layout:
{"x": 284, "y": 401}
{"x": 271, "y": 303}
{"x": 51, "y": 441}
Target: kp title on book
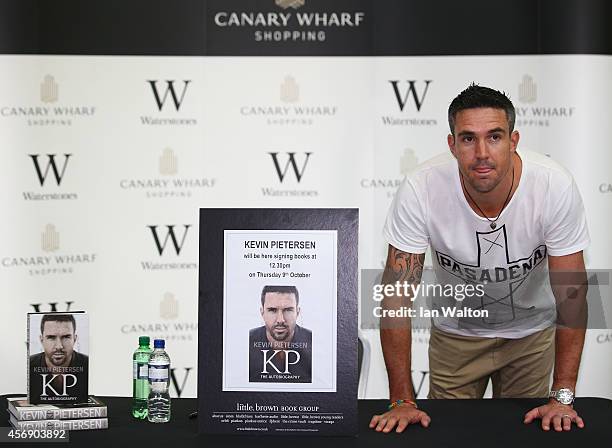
{"x": 58, "y": 362}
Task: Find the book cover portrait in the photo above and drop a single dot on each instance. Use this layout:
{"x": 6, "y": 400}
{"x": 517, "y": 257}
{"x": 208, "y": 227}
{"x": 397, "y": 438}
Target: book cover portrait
{"x": 280, "y": 310}
{"x": 58, "y": 357}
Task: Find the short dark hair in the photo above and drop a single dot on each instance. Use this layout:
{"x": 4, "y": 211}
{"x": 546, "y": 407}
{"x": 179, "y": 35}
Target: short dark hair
{"x": 57, "y": 318}
{"x": 281, "y": 290}
{"x": 476, "y": 96}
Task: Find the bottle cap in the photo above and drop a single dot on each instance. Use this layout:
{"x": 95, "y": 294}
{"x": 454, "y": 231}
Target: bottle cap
{"x": 144, "y": 340}
{"x": 159, "y": 343}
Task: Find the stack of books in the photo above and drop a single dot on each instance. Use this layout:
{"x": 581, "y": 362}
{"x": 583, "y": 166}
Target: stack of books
{"x": 68, "y": 417}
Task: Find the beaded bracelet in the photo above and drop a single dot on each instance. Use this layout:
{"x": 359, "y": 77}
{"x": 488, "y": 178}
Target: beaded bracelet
{"x": 396, "y": 403}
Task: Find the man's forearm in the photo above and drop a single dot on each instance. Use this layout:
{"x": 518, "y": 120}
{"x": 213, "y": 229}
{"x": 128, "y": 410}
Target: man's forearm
{"x": 568, "y": 351}
{"x": 569, "y": 284}
{"x": 396, "y": 333}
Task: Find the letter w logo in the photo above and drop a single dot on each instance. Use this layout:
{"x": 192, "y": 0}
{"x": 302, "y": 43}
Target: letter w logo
{"x": 403, "y": 99}
{"x": 50, "y": 164}
{"x": 170, "y": 234}
{"x": 290, "y": 161}
{"x": 169, "y": 88}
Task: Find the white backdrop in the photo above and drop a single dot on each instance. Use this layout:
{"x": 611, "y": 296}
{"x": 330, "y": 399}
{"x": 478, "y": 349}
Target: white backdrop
{"x": 136, "y": 171}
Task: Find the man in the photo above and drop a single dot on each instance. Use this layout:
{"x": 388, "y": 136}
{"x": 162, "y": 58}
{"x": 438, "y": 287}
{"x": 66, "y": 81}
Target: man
{"x": 58, "y": 337}
{"x": 280, "y": 350}
{"x": 492, "y": 218}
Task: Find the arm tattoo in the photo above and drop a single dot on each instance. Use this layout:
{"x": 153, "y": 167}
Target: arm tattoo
{"x": 403, "y": 267}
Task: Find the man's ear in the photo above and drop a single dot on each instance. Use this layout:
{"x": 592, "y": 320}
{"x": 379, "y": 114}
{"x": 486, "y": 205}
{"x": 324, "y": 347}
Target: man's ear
{"x": 261, "y": 310}
{"x": 450, "y": 139}
{"x": 514, "y": 140}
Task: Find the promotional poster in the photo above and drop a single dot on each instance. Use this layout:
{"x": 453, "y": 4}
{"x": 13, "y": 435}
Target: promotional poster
{"x": 58, "y": 358}
{"x": 278, "y": 328}
{"x": 280, "y": 297}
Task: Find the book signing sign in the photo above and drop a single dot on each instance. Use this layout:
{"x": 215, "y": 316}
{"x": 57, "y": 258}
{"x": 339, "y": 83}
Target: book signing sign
{"x": 278, "y": 321}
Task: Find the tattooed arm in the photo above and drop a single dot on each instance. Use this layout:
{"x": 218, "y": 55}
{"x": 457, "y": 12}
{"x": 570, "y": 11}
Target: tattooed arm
{"x": 396, "y": 339}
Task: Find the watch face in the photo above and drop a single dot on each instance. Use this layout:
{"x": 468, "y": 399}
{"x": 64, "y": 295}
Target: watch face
{"x": 565, "y": 396}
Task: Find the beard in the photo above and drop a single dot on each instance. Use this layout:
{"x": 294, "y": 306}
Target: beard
{"x": 280, "y": 333}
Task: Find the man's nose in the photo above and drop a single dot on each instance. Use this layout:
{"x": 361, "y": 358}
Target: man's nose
{"x": 482, "y": 151}
{"x": 58, "y": 344}
{"x": 280, "y": 317}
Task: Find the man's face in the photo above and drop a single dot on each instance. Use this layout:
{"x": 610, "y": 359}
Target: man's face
{"x": 58, "y": 340}
{"x": 483, "y": 146}
{"x": 280, "y": 313}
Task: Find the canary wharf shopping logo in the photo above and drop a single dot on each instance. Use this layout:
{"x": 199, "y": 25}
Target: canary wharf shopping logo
{"x": 169, "y": 326}
{"x": 389, "y": 185}
{"x": 168, "y": 183}
{"x": 289, "y": 168}
{"x": 295, "y": 4}
{"x": 168, "y": 99}
{"x": 289, "y": 24}
{"x": 605, "y": 188}
{"x": 409, "y": 97}
{"x": 50, "y": 259}
{"x": 49, "y": 170}
{"x": 288, "y": 108}
{"x": 168, "y": 242}
{"x": 533, "y": 113}
{"x": 49, "y": 109}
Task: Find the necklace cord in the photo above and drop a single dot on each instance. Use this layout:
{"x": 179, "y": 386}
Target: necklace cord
{"x": 476, "y": 204}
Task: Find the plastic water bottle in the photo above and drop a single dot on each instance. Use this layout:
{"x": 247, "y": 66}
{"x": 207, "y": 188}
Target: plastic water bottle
{"x": 158, "y": 404}
{"x": 140, "y": 391}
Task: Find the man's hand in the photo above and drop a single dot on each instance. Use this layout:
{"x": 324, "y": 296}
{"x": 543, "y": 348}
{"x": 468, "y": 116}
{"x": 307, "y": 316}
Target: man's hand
{"x": 400, "y": 416}
{"x": 560, "y": 415}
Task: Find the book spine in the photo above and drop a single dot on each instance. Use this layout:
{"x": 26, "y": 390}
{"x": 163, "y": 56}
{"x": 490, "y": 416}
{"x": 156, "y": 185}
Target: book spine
{"x": 28, "y": 356}
{"x": 67, "y": 425}
{"x": 59, "y": 414}
{"x": 77, "y": 413}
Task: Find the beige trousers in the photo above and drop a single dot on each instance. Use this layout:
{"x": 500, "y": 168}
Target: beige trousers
{"x": 460, "y": 366}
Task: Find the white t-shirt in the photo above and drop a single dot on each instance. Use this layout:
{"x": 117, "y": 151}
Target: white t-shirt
{"x": 545, "y": 216}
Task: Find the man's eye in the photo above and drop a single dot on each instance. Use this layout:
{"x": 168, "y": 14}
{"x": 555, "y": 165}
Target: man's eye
{"x": 467, "y": 139}
{"x": 495, "y": 137}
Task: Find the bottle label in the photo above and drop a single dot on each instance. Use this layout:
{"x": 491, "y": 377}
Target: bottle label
{"x": 158, "y": 372}
{"x": 141, "y": 370}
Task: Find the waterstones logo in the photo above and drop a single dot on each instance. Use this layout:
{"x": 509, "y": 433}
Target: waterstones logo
{"x": 168, "y": 184}
{"x": 289, "y": 168}
{"x": 49, "y": 111}
{"x": 50, "y": 170}
{"x": 169, "y": 241}
{"x": 289, "y": 26}
{"x": 52, "y": 306}
{"x": 178, "y": 329}
{"x": 168, "y": 97}
{"x": 51, "y": 260}
{"x": 389, "y": 185}
{"x": 409, "y": 97}
{"x": 534, "y": 113}
{"x": 288, "y": 109}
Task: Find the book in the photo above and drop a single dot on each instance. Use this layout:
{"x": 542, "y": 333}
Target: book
{"x": 22, "y": 410}
{"x": 58, "y": 357}
{"x": 66, "y": 425}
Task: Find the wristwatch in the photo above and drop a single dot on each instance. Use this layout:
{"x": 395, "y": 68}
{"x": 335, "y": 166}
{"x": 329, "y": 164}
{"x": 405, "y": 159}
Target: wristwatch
{"x": 563, "y": 395}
